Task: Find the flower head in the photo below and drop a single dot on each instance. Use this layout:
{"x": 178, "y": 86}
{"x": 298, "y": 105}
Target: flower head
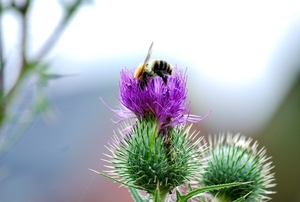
{"x": 234, "y": 159}
{"x": 166, "y": 102}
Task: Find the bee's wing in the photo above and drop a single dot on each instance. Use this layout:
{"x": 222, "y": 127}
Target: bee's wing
{"x": 149, "y": 53}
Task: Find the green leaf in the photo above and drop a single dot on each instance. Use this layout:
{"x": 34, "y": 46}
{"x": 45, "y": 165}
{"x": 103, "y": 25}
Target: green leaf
{"x": 243, "y": 198}
{"x": 135, "y": 195}
{"x": 184, "y": 198}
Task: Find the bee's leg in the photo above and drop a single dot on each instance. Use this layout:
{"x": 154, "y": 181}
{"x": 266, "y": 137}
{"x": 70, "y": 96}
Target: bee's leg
{"x": 142, "y": 84}
{"x": 144, "y": 81}
{"x": 163, "y": 77}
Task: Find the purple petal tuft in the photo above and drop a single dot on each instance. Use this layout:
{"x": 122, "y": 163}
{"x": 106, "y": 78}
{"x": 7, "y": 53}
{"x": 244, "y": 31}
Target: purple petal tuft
{"x": 167, "y": 102}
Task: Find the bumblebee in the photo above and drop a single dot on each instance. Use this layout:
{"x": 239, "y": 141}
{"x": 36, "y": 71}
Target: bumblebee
{"x": 155, "y": 68}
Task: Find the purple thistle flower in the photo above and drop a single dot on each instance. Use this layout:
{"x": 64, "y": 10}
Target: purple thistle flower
{"x": 167, "y": 103}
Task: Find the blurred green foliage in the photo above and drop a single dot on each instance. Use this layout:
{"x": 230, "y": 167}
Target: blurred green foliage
{"x": 30, "y": 68}
{"x": 282, "y": 140}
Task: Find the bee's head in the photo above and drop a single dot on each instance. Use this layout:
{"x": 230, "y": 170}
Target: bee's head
{"x": 139, "y": 71}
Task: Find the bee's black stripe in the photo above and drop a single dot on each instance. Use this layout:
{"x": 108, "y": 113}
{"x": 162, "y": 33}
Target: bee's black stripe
{"x": 156, "y": 66}
{"x": 162, "y": 66}
{"x": 165, "y": 66}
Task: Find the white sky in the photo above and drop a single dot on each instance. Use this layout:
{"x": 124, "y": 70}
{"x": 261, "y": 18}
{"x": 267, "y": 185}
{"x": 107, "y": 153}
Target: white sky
{"x": 240, "y": 53}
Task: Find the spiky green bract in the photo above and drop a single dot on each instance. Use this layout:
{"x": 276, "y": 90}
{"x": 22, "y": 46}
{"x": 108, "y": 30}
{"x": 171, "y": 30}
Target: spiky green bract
{"x": 232, "y": 158}
{"x": 153, "y": 161}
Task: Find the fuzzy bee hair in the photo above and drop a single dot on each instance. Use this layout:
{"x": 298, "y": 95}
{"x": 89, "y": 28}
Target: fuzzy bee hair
{"x": 155, "y": 68}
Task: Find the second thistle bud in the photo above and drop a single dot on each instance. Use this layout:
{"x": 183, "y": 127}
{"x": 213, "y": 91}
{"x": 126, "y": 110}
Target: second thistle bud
{"x": 234, "y": 159}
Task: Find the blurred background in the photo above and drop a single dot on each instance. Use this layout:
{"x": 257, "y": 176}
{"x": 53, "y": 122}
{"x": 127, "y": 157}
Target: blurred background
{"x": 242, "y": 61}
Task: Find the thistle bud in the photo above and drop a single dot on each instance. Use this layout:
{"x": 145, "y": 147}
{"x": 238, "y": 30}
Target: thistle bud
{"x": 150, "y": 160}
{"x": 232, "y": 158}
